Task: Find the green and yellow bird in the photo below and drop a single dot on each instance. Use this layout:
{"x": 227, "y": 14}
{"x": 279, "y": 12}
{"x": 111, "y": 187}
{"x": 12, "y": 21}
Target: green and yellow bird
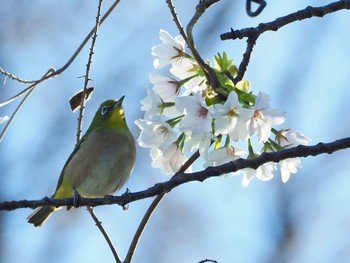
{"x": 100, "y": 164}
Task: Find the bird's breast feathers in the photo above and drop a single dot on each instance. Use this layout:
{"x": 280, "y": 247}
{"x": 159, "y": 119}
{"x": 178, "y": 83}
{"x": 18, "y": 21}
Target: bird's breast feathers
{"x": 102, "y": 164}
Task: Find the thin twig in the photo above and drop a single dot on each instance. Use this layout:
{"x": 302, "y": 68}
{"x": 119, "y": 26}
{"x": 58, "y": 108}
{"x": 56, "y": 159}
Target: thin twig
{"x": 110, "y": 10}
{"x": 200, "y": 9}
{"x": 87, "y": 73}
{"x": 54, "y": 73}
{"x": 142, "y": 227}
{"x": 51, "y": 73}
{"x": 13, "y": 77}
{"x": 14, "y": 114}
{"x": 176, "y": 19}
{"x": 151, "y": 209}
{"x": 207, "y": 70}
{"x": 245, "y": 61}
{"x": 32, "y": 87}
{"x": 104, "y": 233}
{"x": 47, "y": 75}
{"x": 80, "y": 122}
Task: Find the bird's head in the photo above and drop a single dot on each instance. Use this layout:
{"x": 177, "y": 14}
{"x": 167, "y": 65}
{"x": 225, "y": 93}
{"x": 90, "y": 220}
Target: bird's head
{"x": 110, "y": 115}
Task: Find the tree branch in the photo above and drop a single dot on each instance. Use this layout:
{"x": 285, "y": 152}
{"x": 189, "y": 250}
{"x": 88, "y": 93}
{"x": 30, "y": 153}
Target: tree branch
{"x": 182, "y": 178}
{"x": 207, "y": 70}
{"x": 176, "y": 19}
{"x": 104, "y": 233}
{"x": 151, "y": 209}
{"x": 51, "y": 73}
{"x": 308, "y": 12}
{"x": 245, "y": 61}
{"x": 87, "y": 74}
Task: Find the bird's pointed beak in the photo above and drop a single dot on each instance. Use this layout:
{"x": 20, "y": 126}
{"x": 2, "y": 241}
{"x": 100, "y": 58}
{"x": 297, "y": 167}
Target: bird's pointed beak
{"x": 119, "y": 102}
{"x": 121, "y": 99}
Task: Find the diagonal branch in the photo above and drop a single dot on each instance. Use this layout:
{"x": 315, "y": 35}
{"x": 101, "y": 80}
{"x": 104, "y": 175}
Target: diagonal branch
{"x": 245, "y": 61}
{"x": 14, "y": 77}
{"x": 182, "y": 178}
{"x": 105, "y": 234}
{"x": 151, "y": 209}
{"x": 308, "y": 12}
{"x": 51, "y": 73}
{"x": 207, "y": 70}
{"x": 176, "y": 19}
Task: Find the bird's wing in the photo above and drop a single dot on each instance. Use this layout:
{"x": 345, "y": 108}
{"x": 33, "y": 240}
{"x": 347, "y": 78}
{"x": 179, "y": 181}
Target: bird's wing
{"x": 68, "y": 160}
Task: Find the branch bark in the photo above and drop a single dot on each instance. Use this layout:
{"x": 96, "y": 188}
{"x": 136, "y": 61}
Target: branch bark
{"x": 308, "y": 12}
{"x": 182, "y": 178}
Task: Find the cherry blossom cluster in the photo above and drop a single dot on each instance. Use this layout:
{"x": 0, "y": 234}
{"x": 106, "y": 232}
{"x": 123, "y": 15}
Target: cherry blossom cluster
{"x": 183, "y": 113}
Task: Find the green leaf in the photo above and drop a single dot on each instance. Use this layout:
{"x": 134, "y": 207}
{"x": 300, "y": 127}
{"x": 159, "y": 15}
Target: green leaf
{"x": 247, "y": 99}
{"x": 222, "y": 62}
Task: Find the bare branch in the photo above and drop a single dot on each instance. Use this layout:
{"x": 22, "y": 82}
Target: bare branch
{"x": 80, "y": 123}
{"x": 13, "y": 77}
{"x": 104, "y": 233}
{"x": 151, "y": 209}
{"x": 51, "y": 73}
{"x": 30, "y": 90}
{"x": 308, "y": 12}
{"x": 207, "y": 70}
{"x": 87, "y": 74}
{"x": 182, "y": 178}
{"x": 176, "y": 19}
{"x": 245, "y": 61}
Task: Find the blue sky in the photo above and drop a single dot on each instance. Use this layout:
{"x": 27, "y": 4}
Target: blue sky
{"x": 305, "y": 69}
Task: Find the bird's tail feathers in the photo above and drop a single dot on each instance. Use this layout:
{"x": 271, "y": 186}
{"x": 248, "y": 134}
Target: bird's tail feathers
{"x": 40, "y": 215}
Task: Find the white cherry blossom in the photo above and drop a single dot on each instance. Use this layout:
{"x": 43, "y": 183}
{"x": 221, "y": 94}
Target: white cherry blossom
{"x": 170, "y": 160}
{"x": 289, "y": 138}
{"x": 167, "y": 88}
{"x": 152, "y": 104}
{"x": 231, "y": 118}
{"x": 289, "y": 166}
{"x": 264, "y": 173}
{"x": 169, "y": 51}
{"x": 202, "y": 142}
{"x": 197, "y": 116}
{"x": 264, "y": 117}
{"x": 224, "y": 155}
{"x": 155, "y": 134}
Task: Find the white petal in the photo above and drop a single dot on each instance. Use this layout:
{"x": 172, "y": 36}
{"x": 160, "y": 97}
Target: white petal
{"x": 274, "y": 116}
{"x": 248, "y": 175}
{"x": 263, "y": 101}
{"x": 232, "y": 100}
{"x": 264, "y": 131}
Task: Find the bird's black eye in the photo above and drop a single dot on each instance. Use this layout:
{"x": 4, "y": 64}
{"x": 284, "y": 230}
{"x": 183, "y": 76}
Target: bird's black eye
{"x": 104, "y": 110}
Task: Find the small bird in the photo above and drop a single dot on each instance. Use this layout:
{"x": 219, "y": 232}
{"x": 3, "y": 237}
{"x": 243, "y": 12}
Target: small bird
{"x": 100, "y": 164}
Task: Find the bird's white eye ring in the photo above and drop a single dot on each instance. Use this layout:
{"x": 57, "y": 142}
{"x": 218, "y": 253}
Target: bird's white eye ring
{"x": 104, "y": 110}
